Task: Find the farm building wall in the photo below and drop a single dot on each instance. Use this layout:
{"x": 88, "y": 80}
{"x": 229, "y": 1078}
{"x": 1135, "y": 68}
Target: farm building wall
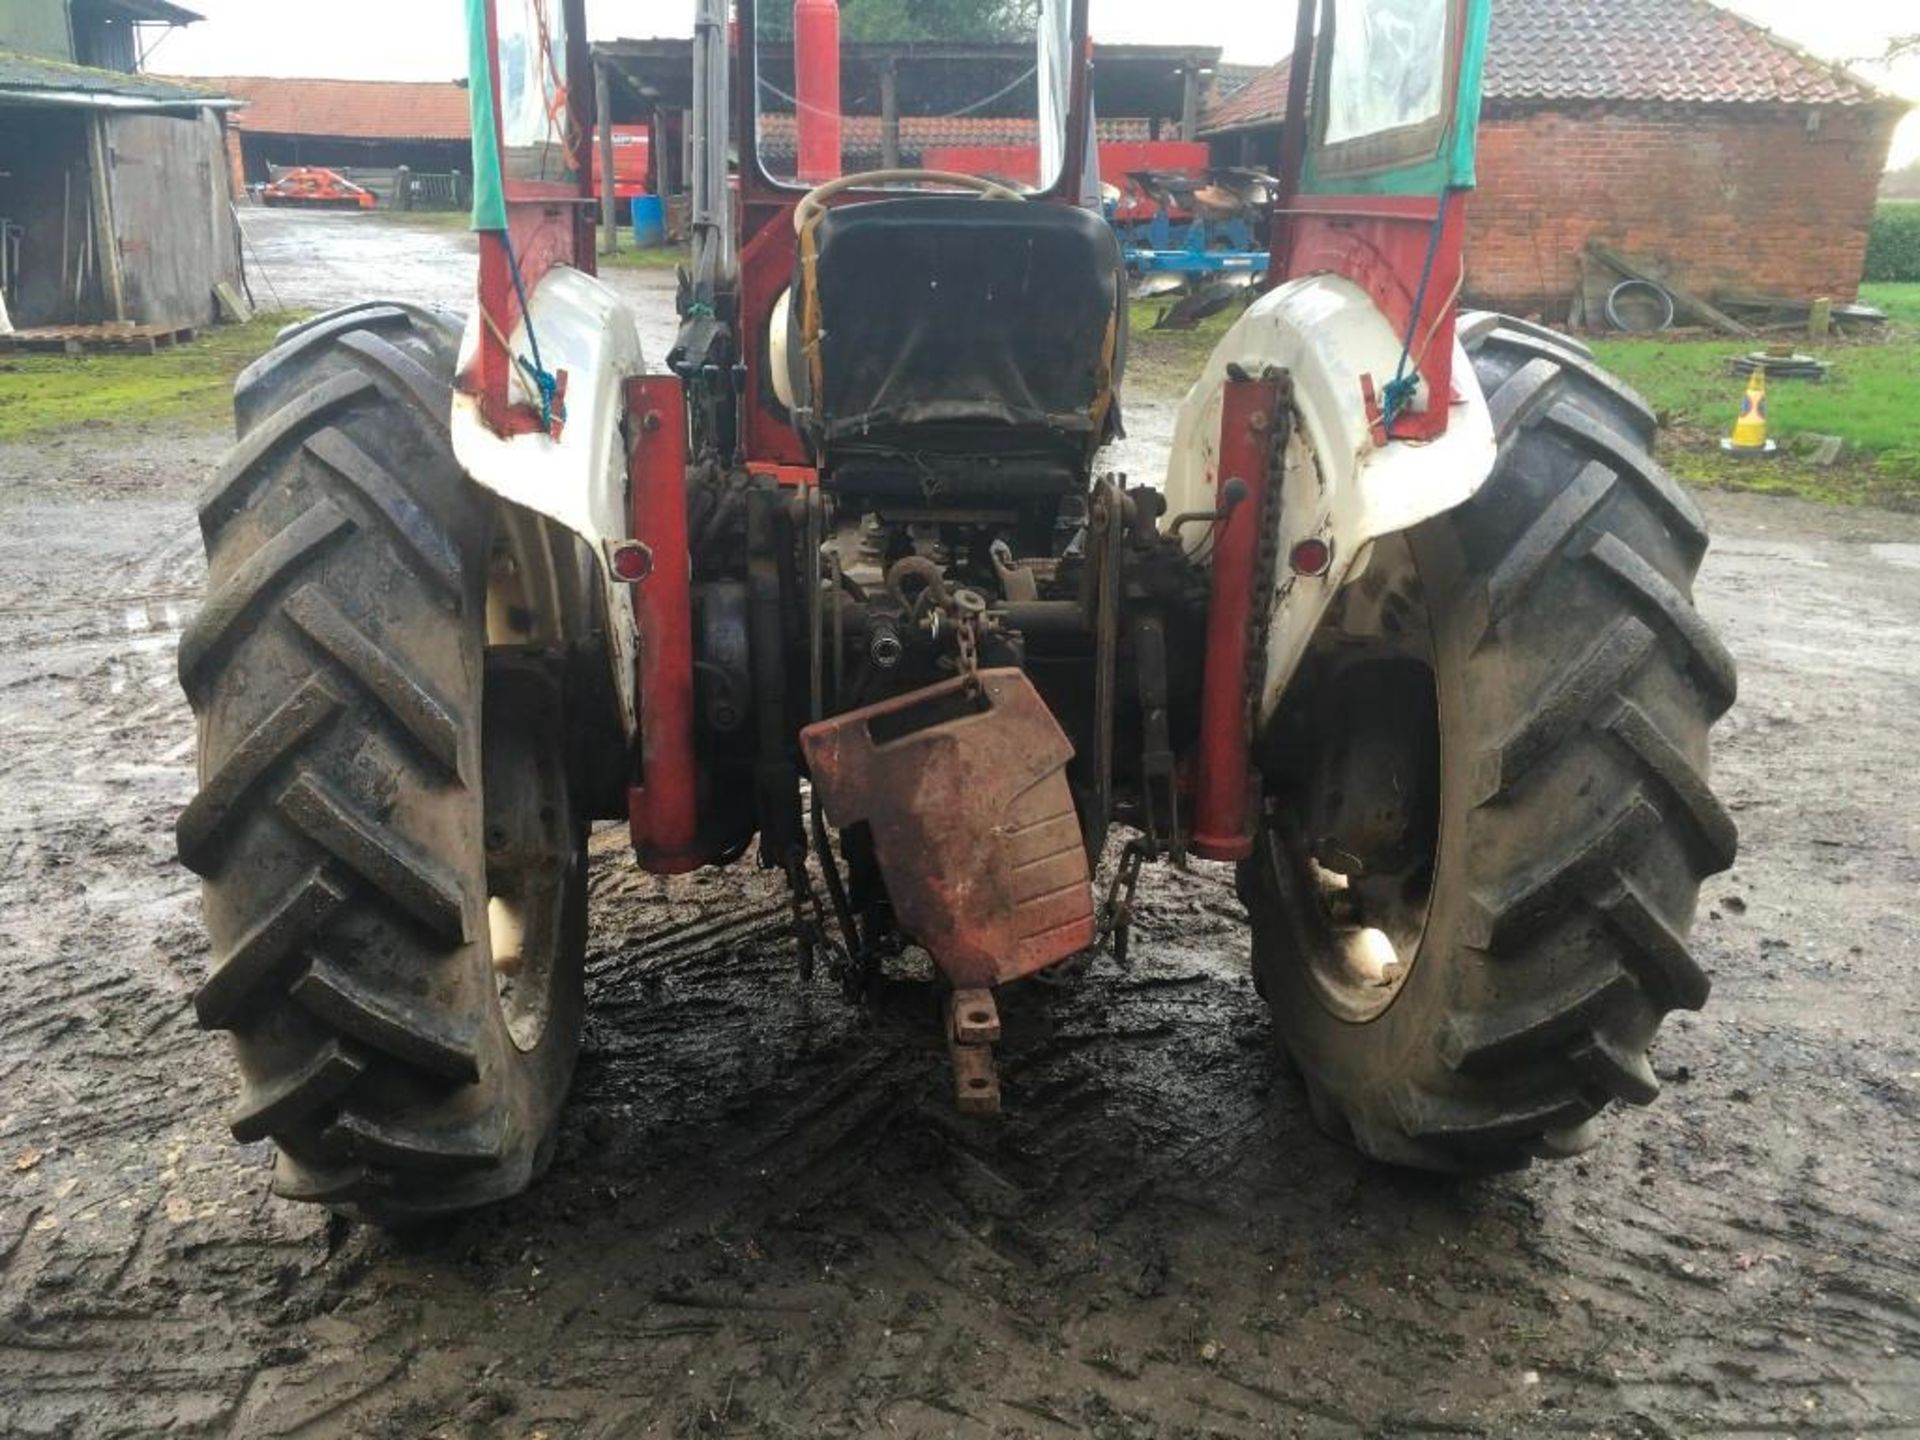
{"x": 36, "y": 28}
{"x": 1726, "y": 197}
{"x": 172, "y": 210}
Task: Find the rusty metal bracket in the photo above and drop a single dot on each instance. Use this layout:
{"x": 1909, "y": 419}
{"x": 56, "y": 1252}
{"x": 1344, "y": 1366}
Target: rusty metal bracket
{"x": 973, "y": 823}
{"x": 973, "y": 1028}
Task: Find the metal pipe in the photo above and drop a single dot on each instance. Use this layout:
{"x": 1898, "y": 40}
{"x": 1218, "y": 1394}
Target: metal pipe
{"x": 816, "y": 89}
{"x": 711, "y": 215}
{"x": 1223, "y": 808}
{"x": 603, "y": 112}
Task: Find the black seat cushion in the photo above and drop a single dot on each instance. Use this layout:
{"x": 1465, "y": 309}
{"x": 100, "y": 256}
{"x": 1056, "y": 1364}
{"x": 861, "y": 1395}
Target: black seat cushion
{"x": 951, "y": 323}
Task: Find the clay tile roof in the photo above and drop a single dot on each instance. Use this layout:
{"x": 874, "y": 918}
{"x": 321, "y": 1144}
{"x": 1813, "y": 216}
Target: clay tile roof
{"x": 1260, "y": 100}
{"x": 1676, "y": 51}
{"x": 355, "y": 109}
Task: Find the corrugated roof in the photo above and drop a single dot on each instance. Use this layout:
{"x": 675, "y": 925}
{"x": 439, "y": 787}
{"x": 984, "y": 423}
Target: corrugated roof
{"x": 33, "y": 79}
{"x": 145, "y": 12}
{"x": 1676, "y": 51}
{"x": 354, "y": 109}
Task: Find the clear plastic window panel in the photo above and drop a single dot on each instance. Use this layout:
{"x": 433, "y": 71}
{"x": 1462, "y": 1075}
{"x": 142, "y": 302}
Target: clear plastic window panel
{"x": 1389, "y": 66}
{"x": 534, "y": 111}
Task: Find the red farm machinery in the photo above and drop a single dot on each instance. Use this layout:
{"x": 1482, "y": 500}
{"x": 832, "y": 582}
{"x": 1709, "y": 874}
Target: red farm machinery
{"x": 842, "y": 587}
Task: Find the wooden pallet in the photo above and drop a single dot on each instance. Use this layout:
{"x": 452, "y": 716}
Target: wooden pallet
{"x": 80, "y": 339}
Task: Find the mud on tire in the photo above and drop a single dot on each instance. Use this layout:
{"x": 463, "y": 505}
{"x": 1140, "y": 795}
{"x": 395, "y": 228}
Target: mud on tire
{"x": 337, "y": 671}
{"x": 1574, "y": 684}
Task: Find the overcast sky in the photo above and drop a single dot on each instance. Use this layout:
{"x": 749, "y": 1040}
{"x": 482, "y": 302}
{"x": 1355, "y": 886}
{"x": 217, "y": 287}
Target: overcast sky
{"x": 422, "y": 39}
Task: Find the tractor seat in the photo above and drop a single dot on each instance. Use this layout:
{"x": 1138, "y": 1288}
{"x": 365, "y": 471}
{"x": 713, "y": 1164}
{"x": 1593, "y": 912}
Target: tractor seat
{"x": 956, "y": 325}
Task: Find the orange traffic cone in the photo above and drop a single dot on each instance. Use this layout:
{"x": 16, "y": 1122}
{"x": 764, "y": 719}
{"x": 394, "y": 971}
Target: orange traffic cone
{"x": 1749, "y": 436}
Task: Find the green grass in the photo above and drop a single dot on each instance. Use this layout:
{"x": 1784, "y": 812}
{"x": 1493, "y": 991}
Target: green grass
{"x": 1901, "y": 302}
{"x": 190, "y": 383}
{"x": 1871, "y": 399}
{"x": 628, "y": 258}
{"x": 1170, "y": 360}
{"x": 424, "y": 219}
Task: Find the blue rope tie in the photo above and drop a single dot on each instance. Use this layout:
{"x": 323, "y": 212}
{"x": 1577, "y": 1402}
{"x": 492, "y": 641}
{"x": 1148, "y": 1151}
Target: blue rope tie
{"x": 543, "y": 379}
{"x": 1402, "y": 389}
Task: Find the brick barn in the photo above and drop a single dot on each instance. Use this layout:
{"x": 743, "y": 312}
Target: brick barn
{"x": 365, "y": 127}
{"x": 1668, "y": 129}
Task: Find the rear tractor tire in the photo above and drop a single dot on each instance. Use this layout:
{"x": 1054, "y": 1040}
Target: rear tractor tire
{"x": 1487, "y": 799}
{"x": 393, "y": 863}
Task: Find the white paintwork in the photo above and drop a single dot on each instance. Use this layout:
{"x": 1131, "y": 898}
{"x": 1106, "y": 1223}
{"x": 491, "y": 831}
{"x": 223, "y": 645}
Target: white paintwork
{"x": 579, "y": 480}
{"x": 777, "y": 370}
{"x": 1339, "y": 485}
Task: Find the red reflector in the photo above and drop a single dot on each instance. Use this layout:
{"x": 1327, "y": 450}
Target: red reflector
{"x": 1310, "y": 557}
{"x": 631, "y": 561}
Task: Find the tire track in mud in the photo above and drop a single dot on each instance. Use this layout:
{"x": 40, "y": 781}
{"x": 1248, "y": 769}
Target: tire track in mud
{"x": 764, "y": 1218}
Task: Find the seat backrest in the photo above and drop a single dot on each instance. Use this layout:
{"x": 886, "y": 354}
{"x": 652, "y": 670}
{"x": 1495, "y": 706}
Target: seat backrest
{"x": 949, "y": 322}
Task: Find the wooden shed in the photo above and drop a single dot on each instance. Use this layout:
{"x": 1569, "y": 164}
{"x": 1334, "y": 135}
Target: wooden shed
{"x": 114, "y": 203}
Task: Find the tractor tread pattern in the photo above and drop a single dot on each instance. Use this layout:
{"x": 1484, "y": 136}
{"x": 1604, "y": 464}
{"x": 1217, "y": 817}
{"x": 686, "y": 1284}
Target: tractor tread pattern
{"x": 1484, "y": 1042}
{"x": 227, "y": 493}
{"x": 418, "y": 1148}
{"x": 1662, "y": 759}
{"x": 1590, "y": 820}
{"x": 403, "y": 376}
{"x": 1546, "y": 538}
{"x": 410, "y": 1034}
{"x": 246, "y": 590}
{"x": 1657, "y": 594}
{"x": 1570, "y": 699}
{"x": 1582, "y": 426}
{"x": 291, "y": 1098}
{"x": 388, "y": 498}
{"x": 408, "y": 880}
{"x": 225, "y": 997}
{"x": 421, "y": 714}
{"x": 335, "y": 671}
{"x": 1546, "y": 894}
{"x": 292, "y": 723}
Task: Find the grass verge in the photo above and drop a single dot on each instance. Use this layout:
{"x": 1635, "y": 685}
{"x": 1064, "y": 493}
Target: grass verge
{"x": 628, "y": 258}
{"x": 424, "y": 219}
{"x": 1170, "y": 360}
{"x": 189, "y": 383}
{"x": 1870, "y": 399}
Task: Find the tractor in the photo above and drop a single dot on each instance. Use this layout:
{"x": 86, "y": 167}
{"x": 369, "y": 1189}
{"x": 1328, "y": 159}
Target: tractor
{"x": 841, "y": 587}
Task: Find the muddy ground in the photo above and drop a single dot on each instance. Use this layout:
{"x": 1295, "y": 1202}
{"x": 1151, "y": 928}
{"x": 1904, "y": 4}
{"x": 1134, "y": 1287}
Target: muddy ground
{"x": 764, "y": 1218}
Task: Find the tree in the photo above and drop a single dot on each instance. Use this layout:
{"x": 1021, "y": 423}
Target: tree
{"x": 904, "y": 21}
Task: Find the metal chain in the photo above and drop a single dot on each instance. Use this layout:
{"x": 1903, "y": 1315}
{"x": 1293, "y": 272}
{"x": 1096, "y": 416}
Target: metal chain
{"x": 1266, "y": 564}
{"x": 968, "y": 611}
{"x": 967, "y": 639}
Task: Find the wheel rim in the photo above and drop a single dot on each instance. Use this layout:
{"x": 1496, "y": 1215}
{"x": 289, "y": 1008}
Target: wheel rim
{"x": 529, "y": 845}
{"x": 1353, "y": 827}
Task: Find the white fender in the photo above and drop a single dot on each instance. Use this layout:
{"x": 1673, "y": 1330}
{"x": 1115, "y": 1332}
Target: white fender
{"x": 579, "y": 480}
{"x": 1339, "y": 485}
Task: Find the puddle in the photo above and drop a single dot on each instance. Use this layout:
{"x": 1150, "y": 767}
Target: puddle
{"x": 1907, "y": 557}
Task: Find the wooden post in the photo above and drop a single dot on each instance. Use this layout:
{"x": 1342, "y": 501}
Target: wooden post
{"x": 1820, "y": 318}
{"x": 603, "y": 110}
{"x": 105, "y": 233}
{"x": 889, "y": 119}
{"x": 1189, "y": 102}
